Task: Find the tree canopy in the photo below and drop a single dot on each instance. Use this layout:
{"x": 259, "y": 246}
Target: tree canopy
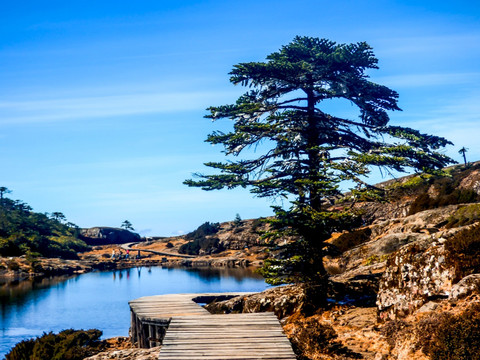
{"x": 127, "y": 225}
{"x": 302, "y": 152}
{"x": 23, "y": 231}
{"x": 462, "y": 152}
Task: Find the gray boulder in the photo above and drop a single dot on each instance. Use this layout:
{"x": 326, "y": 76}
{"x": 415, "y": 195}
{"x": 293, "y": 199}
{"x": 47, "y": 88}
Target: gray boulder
{"x": 108, "y": 235}
{"x": 468, "y": 285}
{"x": 415, "y": 275}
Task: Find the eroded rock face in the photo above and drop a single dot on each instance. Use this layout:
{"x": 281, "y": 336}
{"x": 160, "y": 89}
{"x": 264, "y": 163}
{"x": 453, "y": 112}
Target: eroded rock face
{"x": 283, "y": 301}
{"x": 108, "y": 235}
{"x": 427, "y": 221}
{"x": 128, "y": 354}
{"x": 468, "y": 285}
{"x": 390, "y": 235}
{"x": 375, "y": 212}
{"x": 240, "y": 236}
{"x": 414, "y": 275}
{"x": 471, "y": 181}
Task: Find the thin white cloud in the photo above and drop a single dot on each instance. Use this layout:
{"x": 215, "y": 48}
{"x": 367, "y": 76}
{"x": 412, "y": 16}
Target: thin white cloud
{"x": 456, "y": 118}
{"x": 450, "y": 112}
{"x": 130, "y": 164}
{"x": 435, "y": 45}
{"x": 424, "y": 80}
{"x": 61, "y": 109}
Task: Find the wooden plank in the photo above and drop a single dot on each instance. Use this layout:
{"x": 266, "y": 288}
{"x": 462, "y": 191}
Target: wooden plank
{"x": 194, "y": 333}
{"x": 232, "y": 336}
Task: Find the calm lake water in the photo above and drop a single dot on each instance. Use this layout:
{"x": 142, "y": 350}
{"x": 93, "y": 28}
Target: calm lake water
{"x": 100, "y": 299}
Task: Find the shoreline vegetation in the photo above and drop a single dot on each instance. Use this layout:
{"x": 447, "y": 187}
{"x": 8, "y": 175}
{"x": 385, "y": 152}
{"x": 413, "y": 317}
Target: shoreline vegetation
{"x": 42, "y": 245}
{"x": 420, "y": 246}
{"x": 382, "y": 272}
{"x": 20, "y": 268}
{"x": 100, "y": 258}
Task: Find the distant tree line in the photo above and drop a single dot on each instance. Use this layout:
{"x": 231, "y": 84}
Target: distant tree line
{"x": 23, "y": 231}
{"x": 202, "y": 239}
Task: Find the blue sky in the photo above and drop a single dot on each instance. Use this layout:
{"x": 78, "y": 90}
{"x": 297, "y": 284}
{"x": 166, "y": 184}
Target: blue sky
{"x": 102, "y": 103}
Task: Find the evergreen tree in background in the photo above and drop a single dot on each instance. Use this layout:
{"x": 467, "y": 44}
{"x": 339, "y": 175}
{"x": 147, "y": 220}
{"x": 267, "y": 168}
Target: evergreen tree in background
{"x": 462, "y": 152}
{"x": 25, "y": 232}
{"x": 3, "y": 190}
{"x": 58, "y": 216}
{"x": 303, "y": 154}
{"x": 127, "y": 225}
{"x": 238, "y": 220}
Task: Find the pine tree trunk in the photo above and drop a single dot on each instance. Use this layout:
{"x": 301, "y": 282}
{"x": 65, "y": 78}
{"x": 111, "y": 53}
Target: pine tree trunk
{"x": 316, "y": 288}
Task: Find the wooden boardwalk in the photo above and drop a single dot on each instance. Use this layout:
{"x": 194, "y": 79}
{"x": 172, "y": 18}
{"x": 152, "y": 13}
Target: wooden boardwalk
{"x": 191, "y": 332}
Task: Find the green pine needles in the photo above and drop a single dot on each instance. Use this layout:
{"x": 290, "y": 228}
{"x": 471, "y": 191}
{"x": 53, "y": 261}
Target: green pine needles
{"x": 303, "y": 153}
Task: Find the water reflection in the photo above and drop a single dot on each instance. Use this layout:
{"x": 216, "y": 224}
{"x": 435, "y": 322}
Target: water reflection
{"x": 216, "y": 273}
{"x": 100, "y": 300}
{"x": 18, "y": 292}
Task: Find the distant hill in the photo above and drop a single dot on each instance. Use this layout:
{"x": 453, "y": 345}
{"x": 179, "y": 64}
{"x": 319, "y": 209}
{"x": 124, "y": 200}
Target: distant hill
{"x": 405, "y": 284}
{"x": 25, "y": 232}
{"x": 102, "y": 235}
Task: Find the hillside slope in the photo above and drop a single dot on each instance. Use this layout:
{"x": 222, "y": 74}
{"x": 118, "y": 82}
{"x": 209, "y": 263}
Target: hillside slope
{"x": 406, "y": 285}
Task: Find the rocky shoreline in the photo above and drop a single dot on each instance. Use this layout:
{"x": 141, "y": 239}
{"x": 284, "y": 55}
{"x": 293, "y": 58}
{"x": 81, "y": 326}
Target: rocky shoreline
{"x": 405, "y": 280}
{"x": 20, "y": 268}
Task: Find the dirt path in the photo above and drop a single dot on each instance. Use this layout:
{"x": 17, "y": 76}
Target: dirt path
{"x": 162, "y": 253}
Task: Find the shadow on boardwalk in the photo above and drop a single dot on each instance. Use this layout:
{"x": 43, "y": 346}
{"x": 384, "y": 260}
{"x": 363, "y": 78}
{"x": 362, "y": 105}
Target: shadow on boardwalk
{"x": 188, "y": 331}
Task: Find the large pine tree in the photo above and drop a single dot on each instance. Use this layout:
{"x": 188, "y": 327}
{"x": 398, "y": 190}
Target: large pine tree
{"x": 302, "y": 152}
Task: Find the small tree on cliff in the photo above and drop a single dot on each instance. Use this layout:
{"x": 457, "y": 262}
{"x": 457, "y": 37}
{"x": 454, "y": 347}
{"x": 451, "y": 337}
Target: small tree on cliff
{"x": 58, "y": 216}
{"x": 462, "y": 152}
{"x": 127, "y": 225}
{"x": 3, "y": 190}
{"x": 303, "y": 153}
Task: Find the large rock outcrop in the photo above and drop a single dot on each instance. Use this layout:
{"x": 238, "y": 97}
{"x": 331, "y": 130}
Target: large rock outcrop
{"x": 467, "y": 286}
{"x": 108, "y": 235}
{"x": 415, "y": 274}
{"x": 428, "y": 268}
{"x": 283, "y": 301}
{"x": 390, "y": 235}
{"x": 238, "y": 236}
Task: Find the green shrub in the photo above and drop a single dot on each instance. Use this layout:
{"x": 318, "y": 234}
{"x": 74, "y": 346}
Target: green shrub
{"x": 209, "y": 245}
{"x": 464, "y": 251}
{"x": 395, "y": 330}
{"x": 372, "y": 260}
{"x": 202, "y": 239}
{"x": 410, "y": 186}
{"x": 259, "y": 226}
{"x": 9, "y": 247}
{"x": 32, "y": 258}
{"x": 465, "y": 215}
{"x": 71, "y": 243}
{"x": 22, "y": 351}
{"x": 66, "y": 345}
{"x": 447, "y": 196}
{"x": 13, "y": 265}
{"x": 449, "y": 193}
{"x": 349, "y": 240}
{"x": 203, "y": 230}
{"x": 456, "y": 337}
